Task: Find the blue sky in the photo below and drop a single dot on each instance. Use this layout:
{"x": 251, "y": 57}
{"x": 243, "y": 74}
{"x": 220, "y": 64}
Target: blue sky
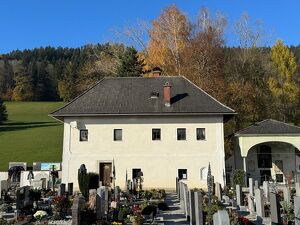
{"x": 73, "y": 23}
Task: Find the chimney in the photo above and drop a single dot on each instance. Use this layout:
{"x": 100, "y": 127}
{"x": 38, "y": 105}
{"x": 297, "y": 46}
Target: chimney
{"x": 167, "y": 94}
{"x": 156, "y": 72}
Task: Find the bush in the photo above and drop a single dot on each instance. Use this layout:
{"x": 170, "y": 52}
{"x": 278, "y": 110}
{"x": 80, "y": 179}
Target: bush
{"x": 162, "y": 206}
{"x": 239, "y": 178}
{"x": 149, "y": 209}
{"x": 87, "y": 181}
{"x": 93, "y": 180}
{"x": 123, "y": 212}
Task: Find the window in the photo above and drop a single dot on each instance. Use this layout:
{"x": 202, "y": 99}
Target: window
{"x": 84, "y": 135}
{"x": 203, "y": 173}
{"x": 264, "y": 157}
{"x": 182, "y": 174}
{"x": 181, "y": 134}
{"x": 200, "y": 133}
{"x": 117, "y": 134}
{"x": 155, "y": 134}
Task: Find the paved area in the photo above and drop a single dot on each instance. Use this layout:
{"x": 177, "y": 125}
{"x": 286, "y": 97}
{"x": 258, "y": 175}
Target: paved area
{"x": 175, "y": 214}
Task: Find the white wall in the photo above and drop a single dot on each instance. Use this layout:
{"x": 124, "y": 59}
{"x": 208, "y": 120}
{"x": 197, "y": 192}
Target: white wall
{"x": 159, "y": 160}
{"x": 3, "y": 175}
{"x": 37, "y": 176}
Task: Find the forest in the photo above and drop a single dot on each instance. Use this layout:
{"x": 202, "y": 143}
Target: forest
{"x": 256, "y": 79}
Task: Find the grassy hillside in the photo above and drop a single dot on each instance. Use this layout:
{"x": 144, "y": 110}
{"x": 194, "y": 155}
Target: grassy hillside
{"x": 30, "y": 135}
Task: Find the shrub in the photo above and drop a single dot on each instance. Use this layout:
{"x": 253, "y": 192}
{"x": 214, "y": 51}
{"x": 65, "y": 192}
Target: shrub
{"x": 162, "y": 206}
{"x": 93, "y": 180}
{"x": 239, "y": 178}
{"x": 123, "y": 212}
{"x": 87, "y": 181}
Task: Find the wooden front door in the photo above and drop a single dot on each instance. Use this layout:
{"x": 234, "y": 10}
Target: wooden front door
{"x": 105, "y": 173}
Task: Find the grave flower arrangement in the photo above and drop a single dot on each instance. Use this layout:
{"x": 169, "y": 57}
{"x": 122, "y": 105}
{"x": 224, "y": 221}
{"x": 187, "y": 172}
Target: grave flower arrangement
{"x": 61, "y": 205}
{"x": 40, "y": 214}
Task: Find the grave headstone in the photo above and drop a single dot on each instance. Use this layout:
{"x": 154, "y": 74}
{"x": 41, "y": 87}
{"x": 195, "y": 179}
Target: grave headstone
{"x": 218, "y": 191}
{"x": 239, "y": 195}
{"x": 198, "y": 208}
{"x": 44, "y": 183}
{"x": 70, "y": 188}
{"x": 256, "y": 186}
{"x": 221, "y": 218}
{"x": 286, "y": 194}
{"x": 250, "y": 204}
{"x": 297, "y": 187}
{"x": 266, "y": 190}
{"x": 192, "y": 207}
{"x": 259, "y": 202}
{"x": 275, "y": 208}
{"x": 251, "y": 187}
{"x": 186, "y": 200}
{"x": 297, "y": 210}
{"x": 102, "y": 203}
{"x": 61, "y": 189}
{"x": 78, "y": 202}
{"x": 92, "y": 199}
{"x": 117, "y": 193}
{"x": 226, "y": 199}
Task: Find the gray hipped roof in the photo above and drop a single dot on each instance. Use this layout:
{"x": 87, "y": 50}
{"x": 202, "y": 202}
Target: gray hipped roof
{"x": 269, "y": 127}
{"x": 132, "y": 96}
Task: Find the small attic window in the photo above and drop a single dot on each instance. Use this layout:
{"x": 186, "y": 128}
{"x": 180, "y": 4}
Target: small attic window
{"x": 154, "y": 94}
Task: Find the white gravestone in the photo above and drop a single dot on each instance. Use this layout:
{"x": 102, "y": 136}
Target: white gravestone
{"x": 221, "y": 218}
{"x": 259, "y": 202}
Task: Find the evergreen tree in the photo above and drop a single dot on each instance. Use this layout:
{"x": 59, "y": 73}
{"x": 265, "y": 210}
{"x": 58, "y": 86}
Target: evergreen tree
{"x": 3, "y": 113}
{"x": 130, "y": 65}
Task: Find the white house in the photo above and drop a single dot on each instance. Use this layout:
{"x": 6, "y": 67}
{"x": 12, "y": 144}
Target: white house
{"x": 165, "y": 127}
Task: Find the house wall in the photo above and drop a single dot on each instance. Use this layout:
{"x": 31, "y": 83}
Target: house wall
{"x": 159, "y": 160}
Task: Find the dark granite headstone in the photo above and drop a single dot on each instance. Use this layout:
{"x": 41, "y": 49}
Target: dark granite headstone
{"x": 61, "y": 189}
{"x": 192, "y": 207}
{"x": 70, "y": 188}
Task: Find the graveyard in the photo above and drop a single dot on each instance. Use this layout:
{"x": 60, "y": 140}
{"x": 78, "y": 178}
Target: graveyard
{"x": 37, "y": 196}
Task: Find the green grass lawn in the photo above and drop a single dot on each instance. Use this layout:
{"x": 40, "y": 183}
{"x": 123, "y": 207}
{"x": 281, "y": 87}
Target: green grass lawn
{"x": 30, "y": 135}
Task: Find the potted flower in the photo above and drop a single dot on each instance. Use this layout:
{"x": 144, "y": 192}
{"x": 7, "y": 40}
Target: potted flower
{"x": 136, "y": 219}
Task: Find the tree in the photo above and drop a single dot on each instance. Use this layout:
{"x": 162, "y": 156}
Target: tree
{"x": 66, "y": 86}
{"x": 130, "y": 64}
{"x": 23, "y": 90}
{"x": 168, "y": 39}
{"x": 204, "y": 57}
{"x": 284, "y": 84}
{"x": 3, "y": 112}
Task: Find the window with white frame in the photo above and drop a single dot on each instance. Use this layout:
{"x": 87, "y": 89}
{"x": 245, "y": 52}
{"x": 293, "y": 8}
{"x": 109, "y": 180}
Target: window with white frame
{"x": 117, "y": 134}
{"x": 200, "y": 133}
{"x": 84, "y": 135}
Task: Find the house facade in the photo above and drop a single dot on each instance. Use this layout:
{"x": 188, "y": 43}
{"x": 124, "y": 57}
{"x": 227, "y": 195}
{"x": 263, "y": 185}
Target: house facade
{"x": 164, "y": 127}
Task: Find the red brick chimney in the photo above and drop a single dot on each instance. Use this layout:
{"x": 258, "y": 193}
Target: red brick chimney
{"x": 156, "y": 72}
{"x": 167, "y": 94}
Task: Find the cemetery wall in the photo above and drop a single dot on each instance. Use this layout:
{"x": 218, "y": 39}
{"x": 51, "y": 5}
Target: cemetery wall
{"x": 159, "y": 160}
{"x": 3, "y": 175}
